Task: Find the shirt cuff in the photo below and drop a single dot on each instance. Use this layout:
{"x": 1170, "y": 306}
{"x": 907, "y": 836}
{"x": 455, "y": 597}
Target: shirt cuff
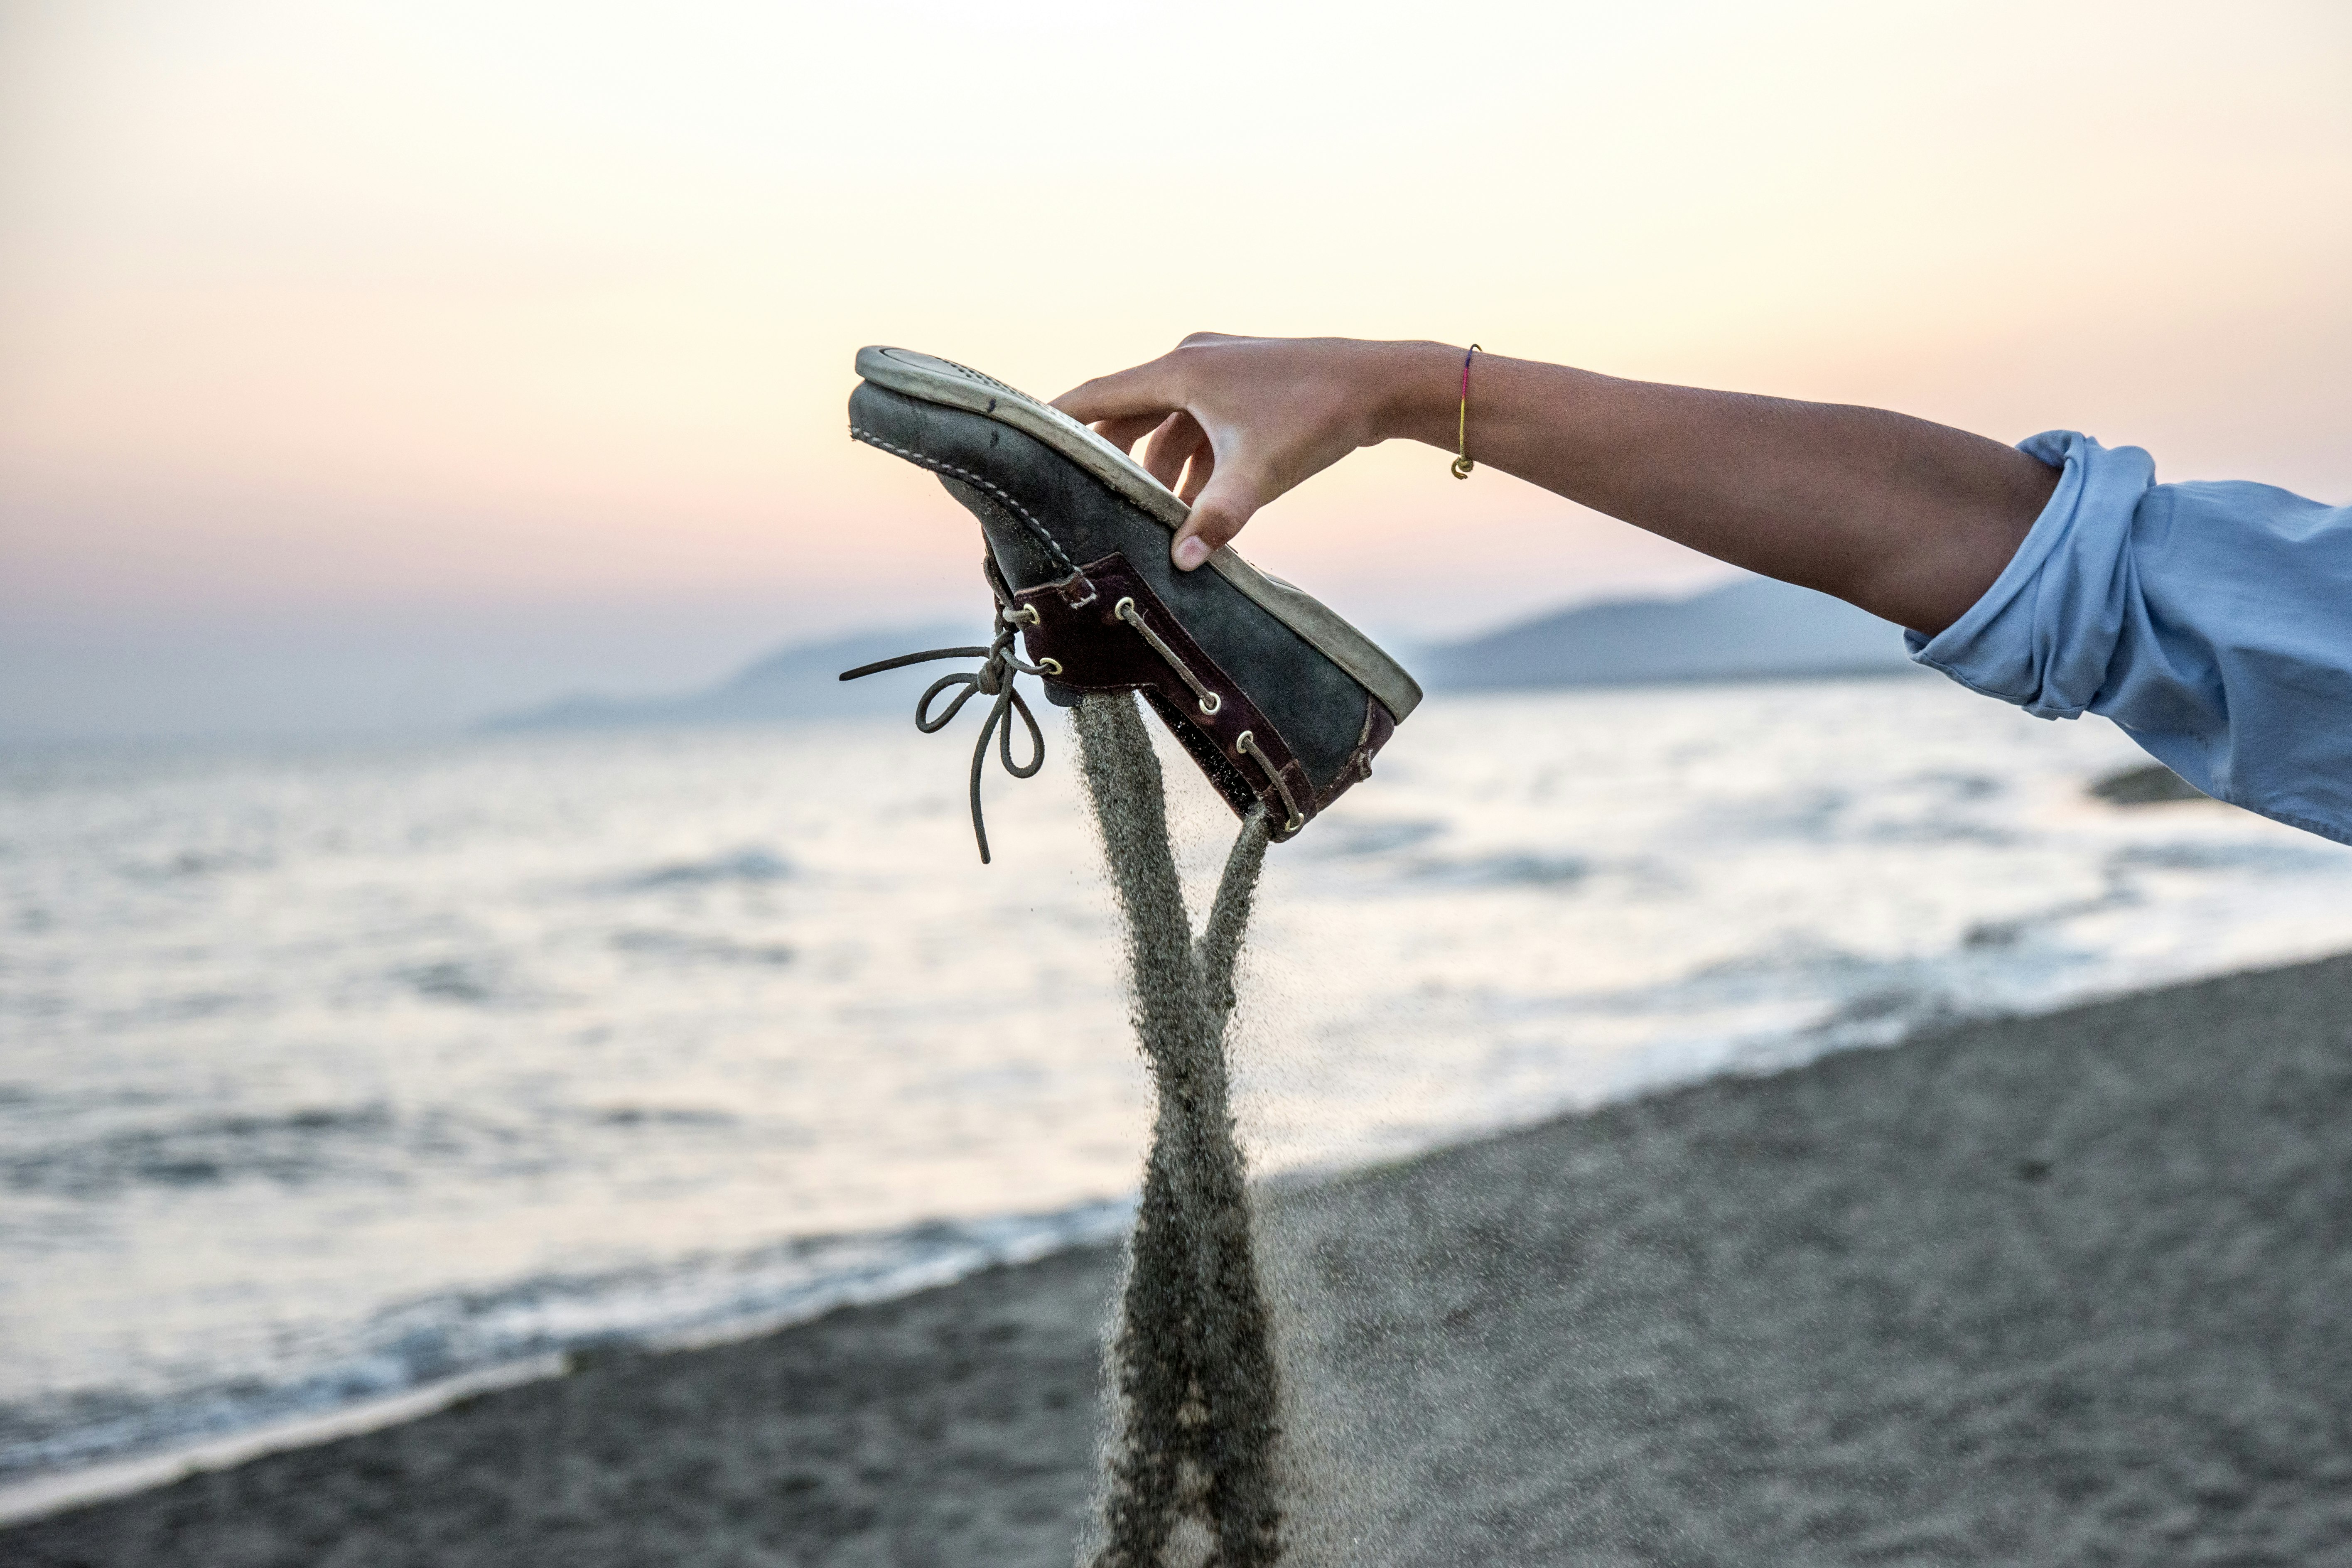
{"x": 2043, "y": 635}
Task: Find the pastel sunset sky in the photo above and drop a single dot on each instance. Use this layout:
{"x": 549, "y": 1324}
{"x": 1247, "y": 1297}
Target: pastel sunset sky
{"x": 382, "y": 365}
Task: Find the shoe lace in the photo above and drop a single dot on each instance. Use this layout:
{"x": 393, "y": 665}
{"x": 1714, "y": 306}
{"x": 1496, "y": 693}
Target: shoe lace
{"x": 993, "y": 679}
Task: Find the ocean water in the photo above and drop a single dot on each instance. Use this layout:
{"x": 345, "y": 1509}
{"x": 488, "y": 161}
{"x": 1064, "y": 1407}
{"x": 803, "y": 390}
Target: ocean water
{"x": 331, "y": 1072}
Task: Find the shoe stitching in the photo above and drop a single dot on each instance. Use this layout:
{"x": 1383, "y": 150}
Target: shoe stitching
{"x": 1053, "y": 547}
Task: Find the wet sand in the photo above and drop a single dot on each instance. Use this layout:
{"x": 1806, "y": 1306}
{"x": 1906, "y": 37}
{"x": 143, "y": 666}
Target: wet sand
{"x": 2067, "y": 1290}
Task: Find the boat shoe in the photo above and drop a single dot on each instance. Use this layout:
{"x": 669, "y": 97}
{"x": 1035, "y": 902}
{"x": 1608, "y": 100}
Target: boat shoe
{"x": 1281, "y": 702}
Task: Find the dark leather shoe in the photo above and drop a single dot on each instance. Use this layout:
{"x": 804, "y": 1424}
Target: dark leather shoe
{"x": 1280, "y": 701}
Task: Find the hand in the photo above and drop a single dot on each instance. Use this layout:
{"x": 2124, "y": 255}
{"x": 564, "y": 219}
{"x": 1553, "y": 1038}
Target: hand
{"x": 1231, "y": 422}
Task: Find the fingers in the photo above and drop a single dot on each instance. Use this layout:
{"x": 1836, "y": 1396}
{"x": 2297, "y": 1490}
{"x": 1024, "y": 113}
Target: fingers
{"x": 1154, "y": 387}
{"x": 1197, "y": 477}
{"x": 1225, "y": 504}
{"x": 1147, "y": 389}
{"x": 1178, "y": 438}
{"x": 1180, "y": 456}
{"x": 1124, "y": 433}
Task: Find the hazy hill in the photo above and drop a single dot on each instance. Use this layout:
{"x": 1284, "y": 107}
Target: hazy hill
{"x": 797, "y": 682}
{"x": 1750, "y": 630}
{"x": 1753, "y": 629}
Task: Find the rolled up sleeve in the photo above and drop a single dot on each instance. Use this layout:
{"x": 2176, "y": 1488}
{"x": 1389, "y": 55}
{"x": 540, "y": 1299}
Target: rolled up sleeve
{"x": 2212, "y": 622}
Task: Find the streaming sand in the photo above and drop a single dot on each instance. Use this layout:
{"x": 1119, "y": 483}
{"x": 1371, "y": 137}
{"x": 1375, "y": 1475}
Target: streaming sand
{"x": 1194, "y": 1407}
{"x": 2067, "y": 1290}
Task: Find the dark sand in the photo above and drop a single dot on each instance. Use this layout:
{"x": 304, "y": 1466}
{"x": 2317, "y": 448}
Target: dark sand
{"x": 1193, "y": 1435}
{"x": 2062, "y": 1290}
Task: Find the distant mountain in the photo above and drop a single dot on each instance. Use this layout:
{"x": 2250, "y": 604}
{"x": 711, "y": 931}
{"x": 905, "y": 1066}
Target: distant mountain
{"x": 798, "y": 682}
{"x": 1755, "y": 629}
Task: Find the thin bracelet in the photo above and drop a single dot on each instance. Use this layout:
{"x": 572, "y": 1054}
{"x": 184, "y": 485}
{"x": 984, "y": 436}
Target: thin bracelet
{"x": 1462, "y": 465}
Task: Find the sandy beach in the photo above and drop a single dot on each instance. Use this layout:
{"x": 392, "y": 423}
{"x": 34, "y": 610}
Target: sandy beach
{"x": 2056, "y": 1289}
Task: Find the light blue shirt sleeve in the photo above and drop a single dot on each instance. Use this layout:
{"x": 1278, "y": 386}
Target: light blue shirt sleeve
{"x": 2212, "y": 622}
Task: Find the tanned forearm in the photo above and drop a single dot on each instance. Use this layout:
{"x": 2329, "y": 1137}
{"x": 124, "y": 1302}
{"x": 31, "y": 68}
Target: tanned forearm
{"x": 1910, "y": 520}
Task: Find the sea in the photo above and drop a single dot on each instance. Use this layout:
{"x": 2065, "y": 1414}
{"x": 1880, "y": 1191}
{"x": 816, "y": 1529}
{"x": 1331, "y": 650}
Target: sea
{"x": 337, "y": 1073}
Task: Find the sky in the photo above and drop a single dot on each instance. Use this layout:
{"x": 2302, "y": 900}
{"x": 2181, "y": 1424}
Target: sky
{"x": 370, "y": 366}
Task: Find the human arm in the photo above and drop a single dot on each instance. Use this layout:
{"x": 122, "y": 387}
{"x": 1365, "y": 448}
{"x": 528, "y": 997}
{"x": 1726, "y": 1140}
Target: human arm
{"x": 1910, "y": 520}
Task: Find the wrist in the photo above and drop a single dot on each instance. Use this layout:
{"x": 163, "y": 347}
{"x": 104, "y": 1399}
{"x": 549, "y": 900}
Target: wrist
{"x": 1416, "y": 391}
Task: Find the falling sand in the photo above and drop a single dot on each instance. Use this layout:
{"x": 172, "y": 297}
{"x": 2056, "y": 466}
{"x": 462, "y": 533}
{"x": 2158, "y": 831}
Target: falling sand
{"x": 1190, "y": 1471}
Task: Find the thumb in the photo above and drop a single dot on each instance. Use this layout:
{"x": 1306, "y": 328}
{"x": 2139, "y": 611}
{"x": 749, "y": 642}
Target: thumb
{"x": 1224, "y": 506}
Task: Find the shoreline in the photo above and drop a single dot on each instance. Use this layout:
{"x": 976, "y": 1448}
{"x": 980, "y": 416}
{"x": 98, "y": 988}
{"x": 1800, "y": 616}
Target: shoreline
{"x": 41, "y": 1495}
{"x": 2013, "y": 1286}
{"x": 977, "y": 1246}
{"x": 970, "y": 1247}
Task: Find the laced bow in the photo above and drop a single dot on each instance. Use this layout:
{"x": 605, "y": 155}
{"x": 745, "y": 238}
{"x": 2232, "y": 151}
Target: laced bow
{"x": 992, "y": 679}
